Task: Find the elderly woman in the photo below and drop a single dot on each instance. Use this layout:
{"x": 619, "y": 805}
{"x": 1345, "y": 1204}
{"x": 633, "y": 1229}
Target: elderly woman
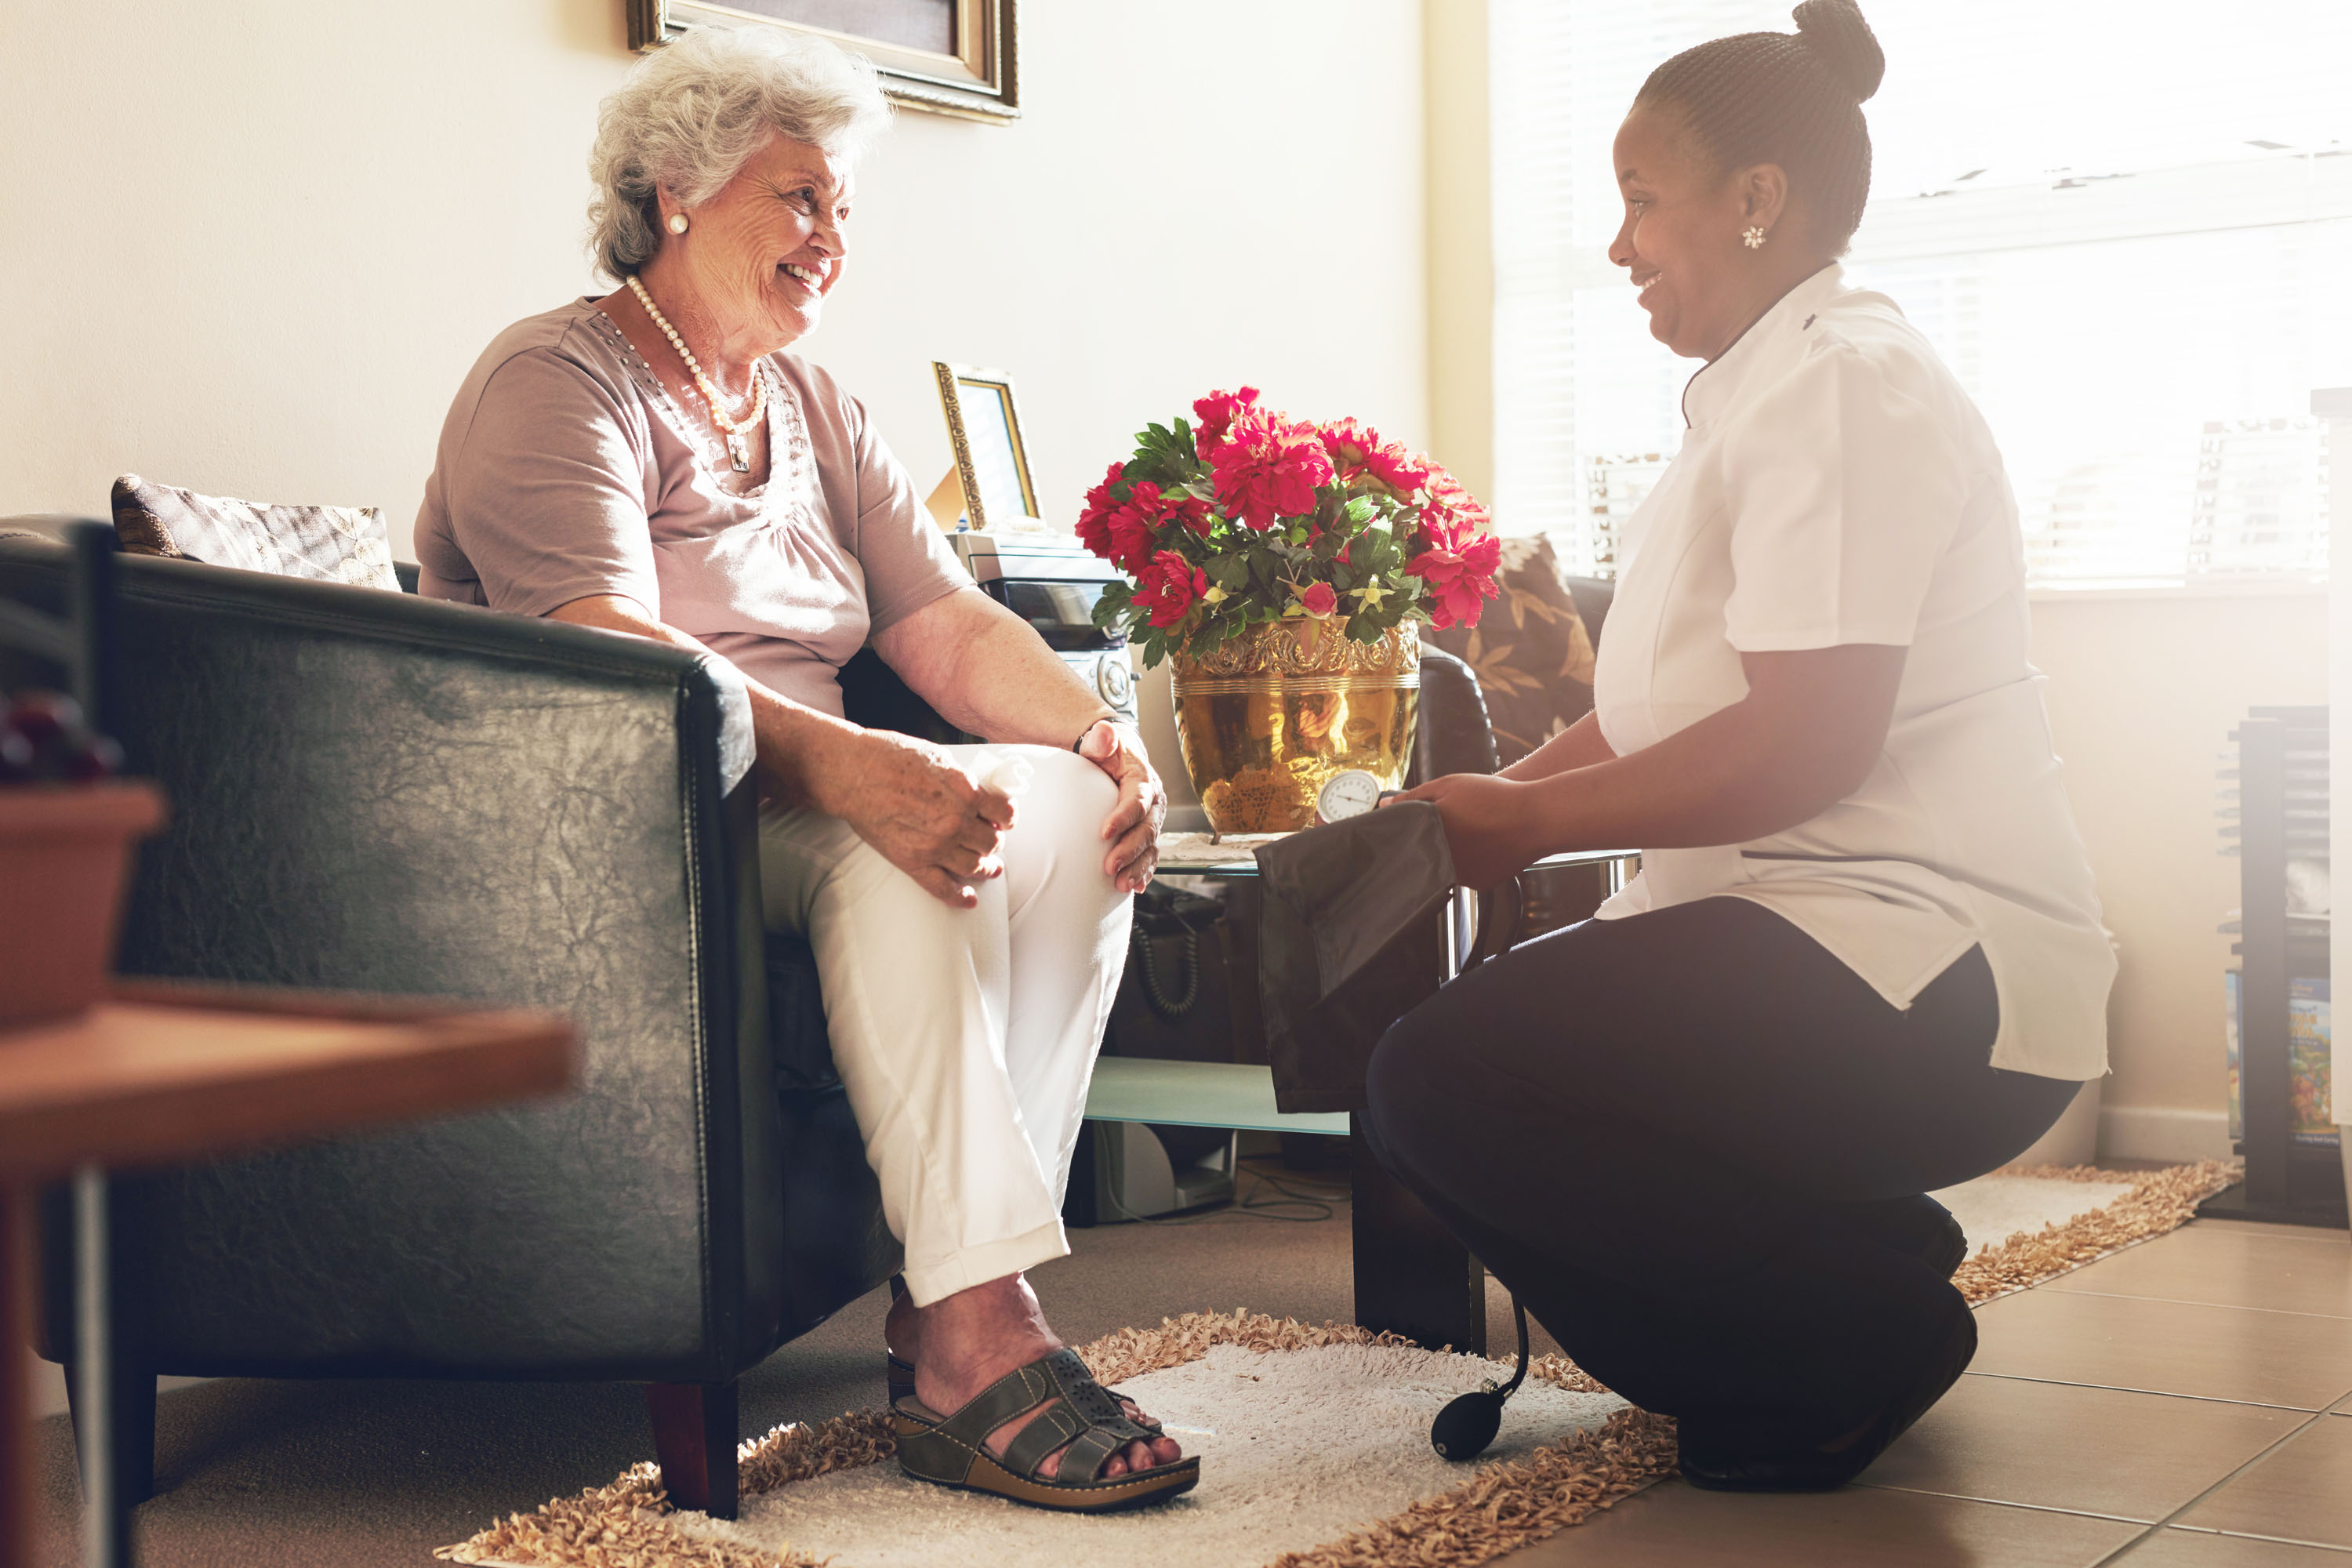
{"x": 1864, "y": 959}
{"x": 654, "y": 462}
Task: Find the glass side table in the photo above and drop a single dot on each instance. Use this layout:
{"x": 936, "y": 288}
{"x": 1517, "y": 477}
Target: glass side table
{"x": 1411, "y": 1276}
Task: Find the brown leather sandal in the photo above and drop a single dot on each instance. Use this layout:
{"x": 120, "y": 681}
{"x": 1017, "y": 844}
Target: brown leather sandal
{"x": 1082, "y": 1421}
{"x": 901, "y": 1380}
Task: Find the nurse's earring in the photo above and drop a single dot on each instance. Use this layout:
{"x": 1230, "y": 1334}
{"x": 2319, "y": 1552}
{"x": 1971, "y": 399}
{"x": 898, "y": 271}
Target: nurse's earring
{"x": 1753, "y": 239}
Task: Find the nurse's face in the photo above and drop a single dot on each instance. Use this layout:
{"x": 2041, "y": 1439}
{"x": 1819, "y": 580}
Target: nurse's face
{"x": 1681, "y": 239}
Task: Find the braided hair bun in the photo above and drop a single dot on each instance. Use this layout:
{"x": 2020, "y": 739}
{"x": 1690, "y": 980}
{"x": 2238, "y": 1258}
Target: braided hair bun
{"x": 1793, "y": 100}
{"x": 1836, "y": 33}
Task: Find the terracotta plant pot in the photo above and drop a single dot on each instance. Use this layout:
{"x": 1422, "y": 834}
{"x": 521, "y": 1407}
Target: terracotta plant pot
{"x": 65, "y": 856}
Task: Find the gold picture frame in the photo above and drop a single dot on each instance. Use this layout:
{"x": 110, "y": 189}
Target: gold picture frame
{"x": 980, "y": 80}
{"x": 991, "y": 477}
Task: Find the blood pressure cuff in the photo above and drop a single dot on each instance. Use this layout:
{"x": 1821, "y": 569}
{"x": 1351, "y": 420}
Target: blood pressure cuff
{"x": 1351, "y": 937}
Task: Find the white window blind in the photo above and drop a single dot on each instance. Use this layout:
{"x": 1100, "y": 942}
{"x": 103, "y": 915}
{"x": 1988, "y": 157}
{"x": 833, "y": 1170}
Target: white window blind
{"x": 2126, "y": 227}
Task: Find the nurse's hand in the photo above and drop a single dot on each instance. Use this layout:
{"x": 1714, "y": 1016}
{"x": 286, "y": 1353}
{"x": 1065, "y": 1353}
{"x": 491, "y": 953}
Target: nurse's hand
{"x": 1487, "y": 825}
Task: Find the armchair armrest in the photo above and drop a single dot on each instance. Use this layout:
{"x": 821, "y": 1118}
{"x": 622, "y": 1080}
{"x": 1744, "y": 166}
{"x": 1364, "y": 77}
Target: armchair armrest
{"x": 372, "y": 791}
{"x": 1454, "y": 735}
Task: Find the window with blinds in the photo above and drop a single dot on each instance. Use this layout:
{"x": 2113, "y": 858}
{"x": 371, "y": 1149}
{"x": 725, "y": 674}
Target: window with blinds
{"x": 2127, "y": 229}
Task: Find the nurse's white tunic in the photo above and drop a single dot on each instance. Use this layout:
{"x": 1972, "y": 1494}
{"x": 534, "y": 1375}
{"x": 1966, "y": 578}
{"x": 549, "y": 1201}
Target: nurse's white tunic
{"x": 1837, "y": 486}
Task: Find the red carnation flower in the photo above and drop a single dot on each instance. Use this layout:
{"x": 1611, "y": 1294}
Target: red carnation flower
{"x": 1168, "y": 586}
{"x": 1448, "y": 497}
{"x": 1193, "y": 512}
{"x": 1402, "y": 471}
{"x": 1159, "y": 507}
{"x": 1132, "y": 538}
{"x": 1349, "y": 442}
{"x": 1217, "y": 413}
{"x": 1459, "y": 567}
{"x": 1269, "y": 470}
{"x": 1094, "y": 518}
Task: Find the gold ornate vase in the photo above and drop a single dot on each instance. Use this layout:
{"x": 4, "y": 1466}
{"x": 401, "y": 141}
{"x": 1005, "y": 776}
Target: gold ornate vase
{"x": 1265, "y": 721}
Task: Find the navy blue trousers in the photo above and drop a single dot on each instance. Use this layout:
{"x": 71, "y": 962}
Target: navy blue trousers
{"x": 1694, "y": 1144}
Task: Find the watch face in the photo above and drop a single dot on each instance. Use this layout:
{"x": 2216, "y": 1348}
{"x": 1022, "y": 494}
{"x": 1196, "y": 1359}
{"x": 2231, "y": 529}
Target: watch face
{"x": 1346, "y": 795}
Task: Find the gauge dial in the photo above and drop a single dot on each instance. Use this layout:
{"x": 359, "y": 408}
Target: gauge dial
{"x": 1350, "y": 794}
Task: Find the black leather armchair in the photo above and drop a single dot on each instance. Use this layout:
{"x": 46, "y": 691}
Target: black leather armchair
{"x": 376, "y": 793}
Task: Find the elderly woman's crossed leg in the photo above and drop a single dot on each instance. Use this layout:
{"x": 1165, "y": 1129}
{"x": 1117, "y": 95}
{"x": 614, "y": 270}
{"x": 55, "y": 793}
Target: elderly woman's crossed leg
{"x": 965, "y": 1038}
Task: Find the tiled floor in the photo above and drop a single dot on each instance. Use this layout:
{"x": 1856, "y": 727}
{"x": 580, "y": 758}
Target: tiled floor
{"x": 2159, "y": 1409}
{"x": 2186, "y": 1404}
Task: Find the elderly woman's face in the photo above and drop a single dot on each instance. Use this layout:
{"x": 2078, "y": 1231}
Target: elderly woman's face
{"x": 1680, "y": 243}
{"x": 764, "y": 252}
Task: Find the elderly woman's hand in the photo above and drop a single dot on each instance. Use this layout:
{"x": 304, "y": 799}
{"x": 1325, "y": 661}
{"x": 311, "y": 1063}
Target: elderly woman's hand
{"x": 1133, "y": 826}
{"x": 909, "y": 799}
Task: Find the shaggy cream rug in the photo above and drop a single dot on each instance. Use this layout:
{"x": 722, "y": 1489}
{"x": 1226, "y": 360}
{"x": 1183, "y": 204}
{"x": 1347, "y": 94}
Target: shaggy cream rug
{"x": 1283, "y": 1484}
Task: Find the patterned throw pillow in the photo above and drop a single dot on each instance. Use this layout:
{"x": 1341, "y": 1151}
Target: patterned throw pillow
{"x": 1533, "y": 657}
{"x": 325, "y": 543}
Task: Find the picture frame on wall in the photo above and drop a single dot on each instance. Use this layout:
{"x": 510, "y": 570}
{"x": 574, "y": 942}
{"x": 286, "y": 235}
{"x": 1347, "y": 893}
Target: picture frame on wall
{"x": 989, "y": 486}
{"x": 949, "y": 56}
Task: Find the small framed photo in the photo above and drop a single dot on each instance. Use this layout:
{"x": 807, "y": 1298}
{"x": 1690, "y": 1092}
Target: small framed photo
{"x": 951, "y": 57}
{"x": 992, "y": 464}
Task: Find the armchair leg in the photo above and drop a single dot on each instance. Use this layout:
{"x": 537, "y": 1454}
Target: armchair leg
{"x": 133, "y": 1429}
{"x": 694, "y": 1439}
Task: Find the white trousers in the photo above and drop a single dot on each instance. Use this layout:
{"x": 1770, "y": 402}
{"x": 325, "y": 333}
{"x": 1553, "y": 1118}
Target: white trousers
{"x": 965, "y": 1038}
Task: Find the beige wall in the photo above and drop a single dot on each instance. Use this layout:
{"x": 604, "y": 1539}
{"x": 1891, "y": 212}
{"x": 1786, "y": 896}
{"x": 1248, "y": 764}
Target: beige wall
{"x": 2143, "y": 693}
{"x": 253, "y": 248}
{"x": 1461, "y": 249}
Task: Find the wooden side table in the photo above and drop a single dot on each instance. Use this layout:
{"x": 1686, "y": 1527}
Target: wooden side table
{"x": 162, "y": 1074}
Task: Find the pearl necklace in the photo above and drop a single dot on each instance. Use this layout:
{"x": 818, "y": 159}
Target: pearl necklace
{"x": 738, "y": 440}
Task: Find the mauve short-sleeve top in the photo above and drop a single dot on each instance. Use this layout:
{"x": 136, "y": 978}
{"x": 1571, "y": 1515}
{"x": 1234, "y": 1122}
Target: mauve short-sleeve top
{"x": 565, "y": 471}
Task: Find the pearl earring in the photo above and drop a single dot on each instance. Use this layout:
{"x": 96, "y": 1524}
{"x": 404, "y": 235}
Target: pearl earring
{"x": 1753, "y": 239}
{"x": 677, "y": 225}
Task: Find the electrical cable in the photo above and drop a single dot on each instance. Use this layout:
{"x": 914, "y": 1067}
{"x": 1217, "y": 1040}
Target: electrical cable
{"x": 1323, "y": 1204}
{"x": 1155, "y": 990}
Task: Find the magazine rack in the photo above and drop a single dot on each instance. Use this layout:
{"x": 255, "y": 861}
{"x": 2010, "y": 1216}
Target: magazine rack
{"x": 2282, "y": 816}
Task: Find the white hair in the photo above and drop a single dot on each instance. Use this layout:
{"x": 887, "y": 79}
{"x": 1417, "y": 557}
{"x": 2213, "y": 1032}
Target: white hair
{"x": 691, "y": 114}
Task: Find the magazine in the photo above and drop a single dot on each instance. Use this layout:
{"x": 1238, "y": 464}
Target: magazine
{"x": 2307, "y": 1059}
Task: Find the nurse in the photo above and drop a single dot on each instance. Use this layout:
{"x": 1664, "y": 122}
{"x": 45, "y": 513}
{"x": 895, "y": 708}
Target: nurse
{"x": 1863, "y": 957}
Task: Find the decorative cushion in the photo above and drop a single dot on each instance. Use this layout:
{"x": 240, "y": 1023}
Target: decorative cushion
{"x": 1530, "y": 649}
{"x": 325, "y": 543}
